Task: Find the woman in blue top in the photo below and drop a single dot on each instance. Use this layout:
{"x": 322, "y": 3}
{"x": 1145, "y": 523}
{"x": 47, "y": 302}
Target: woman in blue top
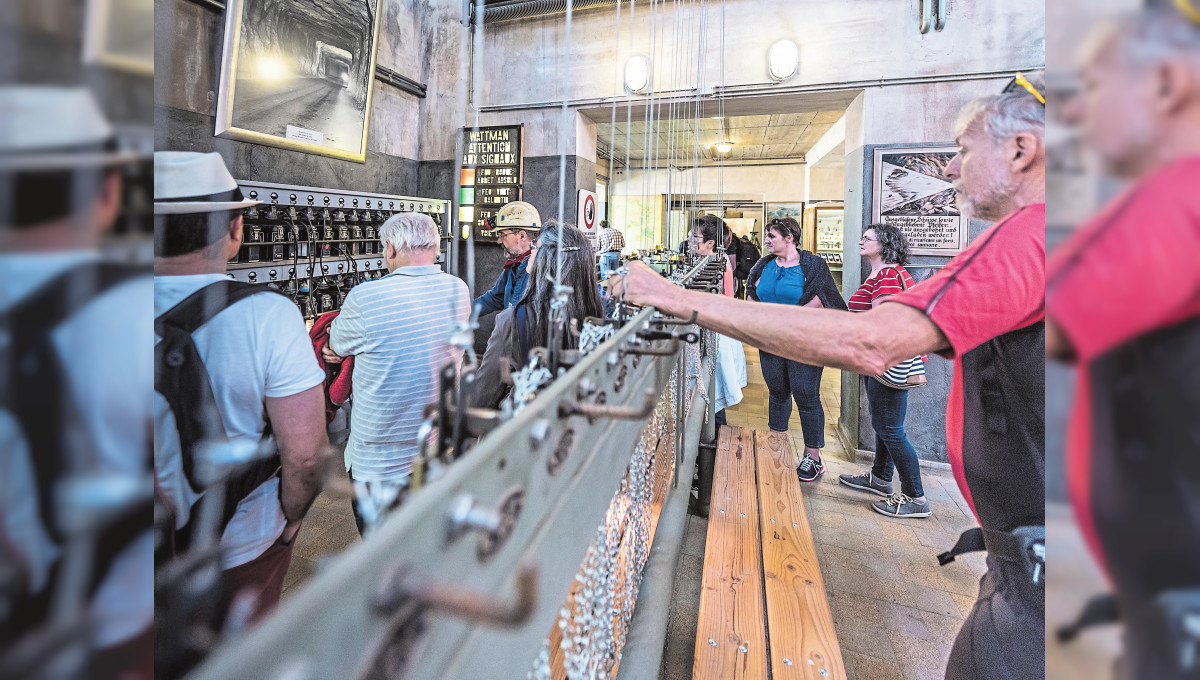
{"x": 790, "y": 276}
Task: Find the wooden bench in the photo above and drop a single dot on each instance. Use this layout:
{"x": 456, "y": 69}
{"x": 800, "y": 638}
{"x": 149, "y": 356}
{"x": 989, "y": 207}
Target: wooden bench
{"x": 763, "y": 610}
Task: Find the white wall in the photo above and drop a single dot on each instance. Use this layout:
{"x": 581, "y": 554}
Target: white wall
{"x": 827, "y": 183}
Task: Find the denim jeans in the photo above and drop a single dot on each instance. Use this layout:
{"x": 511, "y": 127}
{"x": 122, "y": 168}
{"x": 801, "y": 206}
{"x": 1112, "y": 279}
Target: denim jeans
{"x": 888, "y": 408}
{"x": 787, "y": 380}
{"x": 609, "y": 263}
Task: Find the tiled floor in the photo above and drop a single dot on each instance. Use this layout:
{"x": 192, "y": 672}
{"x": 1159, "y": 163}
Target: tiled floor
{"x": 328, "y": 530}
{"x": 896, "y": 612}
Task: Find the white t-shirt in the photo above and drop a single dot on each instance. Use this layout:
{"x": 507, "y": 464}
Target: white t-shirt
{"x": 255, "y": 349}
{"x": 109, "y": 371}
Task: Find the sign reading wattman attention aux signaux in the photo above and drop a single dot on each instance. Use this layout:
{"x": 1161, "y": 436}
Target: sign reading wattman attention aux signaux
{"x": 491, "y": 174}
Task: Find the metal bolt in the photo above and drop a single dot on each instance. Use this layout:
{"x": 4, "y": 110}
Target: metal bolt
{"x": 795, "y": 525}
{"x": 712, "y": 643}
{"x": 772, "y": 521}
{"x": 787, "y": 662}
{"x": 743, "y": 649}
{"x": 823, "y": 672}
{"x": 741, "y": 514}
{"x": 721, "y": 511}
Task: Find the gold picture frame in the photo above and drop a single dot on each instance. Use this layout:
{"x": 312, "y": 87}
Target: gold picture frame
{"x": 295, "y": 89}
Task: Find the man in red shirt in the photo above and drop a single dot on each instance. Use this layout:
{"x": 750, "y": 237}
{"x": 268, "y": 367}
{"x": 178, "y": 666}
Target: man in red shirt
{"x": 985, "y": 310}
{"x": 1123, "y": 303}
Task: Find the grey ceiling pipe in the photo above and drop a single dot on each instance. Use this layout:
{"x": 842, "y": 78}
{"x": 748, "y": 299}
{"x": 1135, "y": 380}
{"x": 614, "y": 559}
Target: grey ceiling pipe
{"x": 527, "y": 9}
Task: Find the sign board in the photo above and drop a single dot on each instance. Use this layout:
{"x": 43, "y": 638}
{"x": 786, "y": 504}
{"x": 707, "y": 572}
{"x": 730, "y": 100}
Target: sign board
{"x": 911, "y": 192}
{"x": 491, "y": 174}
{"x": 588, "y": 220}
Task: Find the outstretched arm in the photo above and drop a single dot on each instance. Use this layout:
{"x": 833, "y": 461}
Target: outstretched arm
{"x": 867, "y": 343}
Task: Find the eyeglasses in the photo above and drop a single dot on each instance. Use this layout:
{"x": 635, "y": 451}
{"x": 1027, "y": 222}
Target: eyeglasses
{"x": 1021, "y": 81}
{"x": 865, "y": 239}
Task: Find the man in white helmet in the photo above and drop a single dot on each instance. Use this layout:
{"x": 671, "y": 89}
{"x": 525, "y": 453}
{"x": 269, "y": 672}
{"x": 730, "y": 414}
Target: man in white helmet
{"x": 517, "y": 225}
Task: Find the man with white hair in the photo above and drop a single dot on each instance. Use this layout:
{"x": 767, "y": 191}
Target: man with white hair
{"x": 398, "y": 330}
{"x": 1123, "y": 303}
{"x": 985, "y": 310}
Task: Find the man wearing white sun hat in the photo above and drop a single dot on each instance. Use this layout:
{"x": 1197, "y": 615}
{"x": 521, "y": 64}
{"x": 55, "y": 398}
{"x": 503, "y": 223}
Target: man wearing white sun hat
{"x": 264, "y": 378}
{"x": 76, "y": 406}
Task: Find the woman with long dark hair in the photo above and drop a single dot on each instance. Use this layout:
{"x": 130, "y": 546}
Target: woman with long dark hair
{"x": 526, "y": 325}
{"x": 886, "y": 248}
{"x": 789, "y": 275}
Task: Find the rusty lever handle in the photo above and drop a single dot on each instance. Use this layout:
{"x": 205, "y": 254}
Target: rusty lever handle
{"x": 571, "y": 408}
{"x": 399, "y": 587}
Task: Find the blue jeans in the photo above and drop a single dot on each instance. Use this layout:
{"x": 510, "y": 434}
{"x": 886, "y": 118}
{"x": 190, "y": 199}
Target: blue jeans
{"x": 888, "y": 408}
{"x": 787, "y": 380}
{"x": 609, "y": 263}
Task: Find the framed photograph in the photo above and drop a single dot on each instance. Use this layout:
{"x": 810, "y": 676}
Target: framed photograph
{"x": 119, "y": 34}
{"x": 911, "y": 192}
{"x": 794, "y": 210}
{"x": 298, "y": 74}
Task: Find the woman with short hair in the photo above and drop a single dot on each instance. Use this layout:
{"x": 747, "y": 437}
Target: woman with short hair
{"x": 791, "y": 276}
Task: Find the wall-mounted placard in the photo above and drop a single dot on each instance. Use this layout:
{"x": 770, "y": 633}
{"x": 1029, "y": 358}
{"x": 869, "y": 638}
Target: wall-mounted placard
{"x": 911, "y": 192}
{"x": 491, "y": 174}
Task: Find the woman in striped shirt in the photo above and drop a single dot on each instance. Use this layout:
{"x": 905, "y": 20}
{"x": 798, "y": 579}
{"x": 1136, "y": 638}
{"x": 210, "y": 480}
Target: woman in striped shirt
{"x": 886, "y": 249}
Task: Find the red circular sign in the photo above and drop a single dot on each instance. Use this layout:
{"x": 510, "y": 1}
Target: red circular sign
{"x": 589, "y": 212}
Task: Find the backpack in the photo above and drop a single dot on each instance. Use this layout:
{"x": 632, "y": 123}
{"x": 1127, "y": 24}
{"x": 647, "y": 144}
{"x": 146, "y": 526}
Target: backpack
{"x": 36, "y": 392}
{"x": 182, "y": 380}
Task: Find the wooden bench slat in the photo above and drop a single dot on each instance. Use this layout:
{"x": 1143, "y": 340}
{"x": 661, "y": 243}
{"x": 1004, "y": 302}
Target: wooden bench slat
{"x": 799, "y": 622}
{"x": 731, "y": 602}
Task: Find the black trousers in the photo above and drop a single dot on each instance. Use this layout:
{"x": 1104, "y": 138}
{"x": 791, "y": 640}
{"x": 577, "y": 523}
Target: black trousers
{"x": 1004, "y": 638}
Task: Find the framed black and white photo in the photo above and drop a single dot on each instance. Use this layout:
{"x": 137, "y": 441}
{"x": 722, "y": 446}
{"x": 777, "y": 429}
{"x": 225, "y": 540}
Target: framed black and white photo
{"x": 911, "y": 192}
{"x": 298, "y": 74}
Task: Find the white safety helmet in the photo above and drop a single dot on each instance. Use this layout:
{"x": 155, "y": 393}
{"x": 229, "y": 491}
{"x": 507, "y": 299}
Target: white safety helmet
{"x": 518, "y": 215}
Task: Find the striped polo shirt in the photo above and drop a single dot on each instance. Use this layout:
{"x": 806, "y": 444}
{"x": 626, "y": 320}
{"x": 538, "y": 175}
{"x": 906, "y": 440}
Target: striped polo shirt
{"x": 398, "y": 330}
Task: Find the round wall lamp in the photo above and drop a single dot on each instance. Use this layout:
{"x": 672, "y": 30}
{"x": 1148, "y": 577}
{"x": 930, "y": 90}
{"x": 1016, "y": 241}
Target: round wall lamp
{"x": 637, "y": 74}
{"x": 783, "y": 60}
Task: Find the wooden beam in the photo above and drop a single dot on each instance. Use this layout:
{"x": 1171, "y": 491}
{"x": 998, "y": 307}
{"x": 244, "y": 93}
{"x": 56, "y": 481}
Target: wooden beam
{"x": 800, "y": 624}
{"x": 731, "y": 636}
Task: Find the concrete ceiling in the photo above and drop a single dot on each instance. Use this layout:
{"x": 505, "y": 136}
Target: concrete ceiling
{"x": 780, "y": 136}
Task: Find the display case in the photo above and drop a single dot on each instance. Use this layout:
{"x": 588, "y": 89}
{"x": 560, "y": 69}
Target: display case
{"x": 824, "y": 225}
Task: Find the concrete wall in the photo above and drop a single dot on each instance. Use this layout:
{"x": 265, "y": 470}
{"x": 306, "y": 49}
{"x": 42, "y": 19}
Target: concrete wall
{"x": 839, "y": 41}
{"x": 905, "y": 114}
{"x": 769, "y": 182}
{"x": 827, "y": 183}
{"x": 188, "y": 44}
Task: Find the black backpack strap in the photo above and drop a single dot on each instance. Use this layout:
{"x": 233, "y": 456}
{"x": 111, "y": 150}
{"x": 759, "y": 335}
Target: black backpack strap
{"x": 37, "y": 392}
{"x": 183, "y": 380}
{"x": 1099, "y": 610}
{"x": 37, "y": 396}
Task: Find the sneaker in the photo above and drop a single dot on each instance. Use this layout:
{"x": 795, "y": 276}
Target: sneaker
{"x": 865, "y": 481}
{"x": 899, "y": 505}
{"x": 810, "y": 470}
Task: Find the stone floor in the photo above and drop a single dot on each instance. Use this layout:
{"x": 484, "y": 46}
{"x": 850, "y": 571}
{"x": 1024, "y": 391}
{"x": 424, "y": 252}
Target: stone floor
{"x": 895, "y": 611}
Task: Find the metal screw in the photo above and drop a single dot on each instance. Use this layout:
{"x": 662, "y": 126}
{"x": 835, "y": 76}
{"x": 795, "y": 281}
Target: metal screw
{"x": 721, "y": 511}
{"x": 743, "y": 649}
{"x": 712, "y": 643}
{"x": 741, "y": 514}
{"x": 794, "y": 524}
{"x": 787, "y": 662}
{"x": 772, "y": 521}
{"x": 823, "y": 672}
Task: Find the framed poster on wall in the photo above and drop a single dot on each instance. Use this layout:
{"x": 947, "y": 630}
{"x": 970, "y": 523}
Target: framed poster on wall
{"x": 911, "y": 192}
{"x": 298, "y": 74}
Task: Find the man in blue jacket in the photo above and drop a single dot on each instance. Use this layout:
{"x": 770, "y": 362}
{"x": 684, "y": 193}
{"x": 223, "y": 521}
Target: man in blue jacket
{"x": 517, "y": 226}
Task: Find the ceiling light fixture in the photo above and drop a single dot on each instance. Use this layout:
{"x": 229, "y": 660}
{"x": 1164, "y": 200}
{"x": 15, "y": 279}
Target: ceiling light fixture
{"x": 783, "y": 60}
{"x": 637, "y": 74}
{"x": 724, "y": 147}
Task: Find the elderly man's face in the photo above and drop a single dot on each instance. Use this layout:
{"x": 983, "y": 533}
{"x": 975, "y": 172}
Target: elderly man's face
{"x": 983, "y": 180}
{"x": 1115, "y": 109}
